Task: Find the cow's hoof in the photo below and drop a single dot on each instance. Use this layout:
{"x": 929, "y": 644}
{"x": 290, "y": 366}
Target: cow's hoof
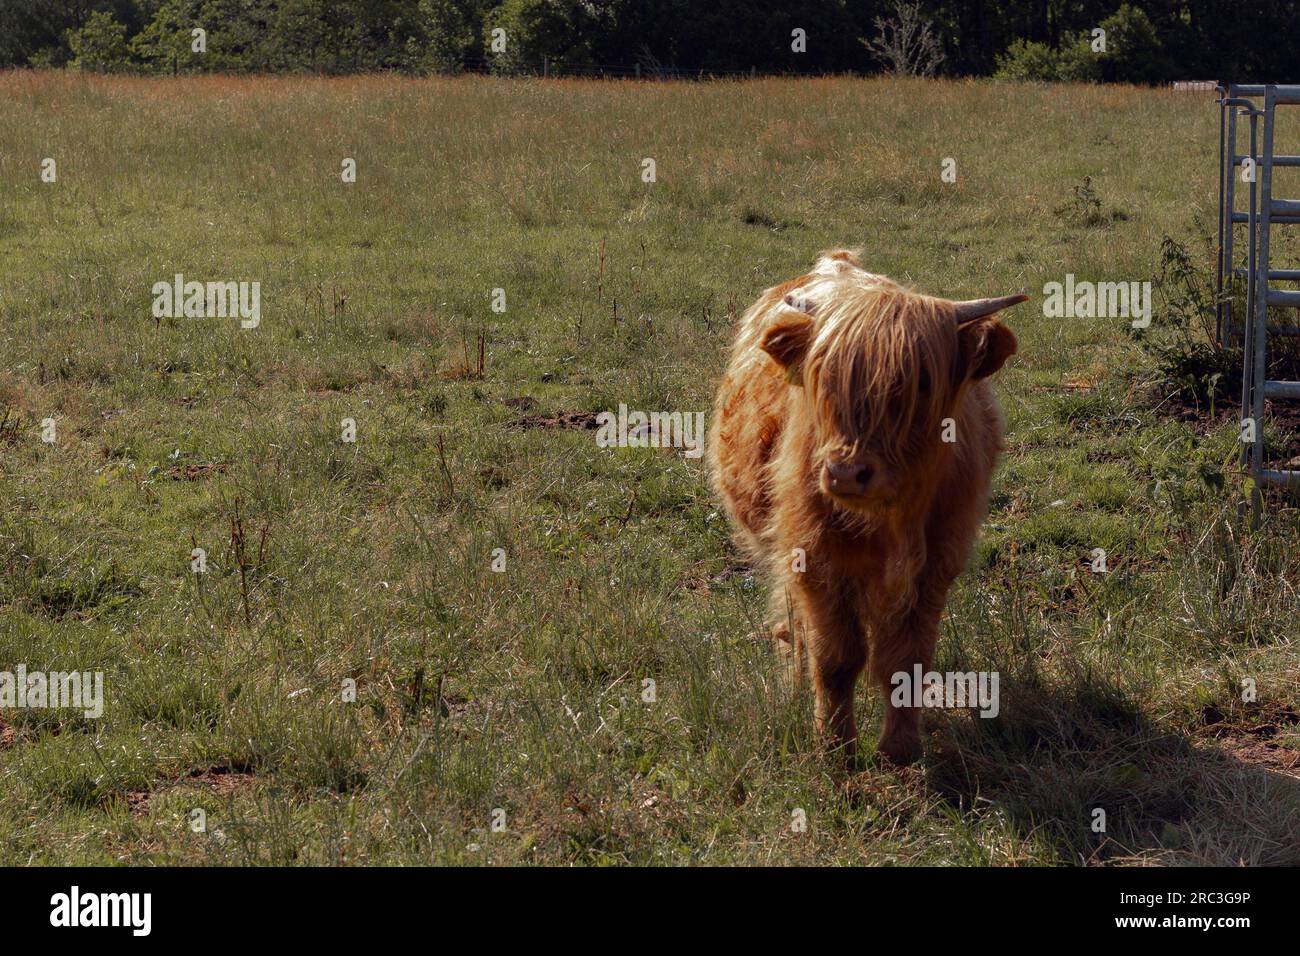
{"x": 898, "y": 753}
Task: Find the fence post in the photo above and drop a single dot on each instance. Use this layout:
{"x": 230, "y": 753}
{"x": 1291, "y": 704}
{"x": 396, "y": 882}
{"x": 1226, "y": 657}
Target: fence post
{"x": 1230, "y": 164}
{"x": 1218, "y": 266}
{"x": 546, "y": 66}
{"x": 638, "y": 71}
{"x": 1259, "y": 368}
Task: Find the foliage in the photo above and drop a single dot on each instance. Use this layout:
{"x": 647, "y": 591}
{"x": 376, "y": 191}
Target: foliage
{"x": 1181, "y": 339}
{"x": 1134, "y": 53}
{"x": 1020, "y": 39}
{"x": 1128, "y": 50}
{"x": 563, "y": 31}
{"x": 1084, "y": 208}
{"x": 1029, "y": 60}
{"x": 99, "y": 45}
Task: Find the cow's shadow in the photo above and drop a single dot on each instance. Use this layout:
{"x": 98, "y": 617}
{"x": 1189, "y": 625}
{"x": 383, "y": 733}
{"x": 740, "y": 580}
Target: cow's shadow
{"x": 1227, "y": 794}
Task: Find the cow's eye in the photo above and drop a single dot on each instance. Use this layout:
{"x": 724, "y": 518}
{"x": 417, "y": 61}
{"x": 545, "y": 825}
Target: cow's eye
{"x": 923, "y": 381}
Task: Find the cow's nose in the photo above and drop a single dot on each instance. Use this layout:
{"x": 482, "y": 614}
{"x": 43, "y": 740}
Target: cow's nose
{"x": 848, "y": 477}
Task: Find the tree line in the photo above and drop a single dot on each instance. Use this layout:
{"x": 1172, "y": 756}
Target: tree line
{"x": 1147, "y": 42}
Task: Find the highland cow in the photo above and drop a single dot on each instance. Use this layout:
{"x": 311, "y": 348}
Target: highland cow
{"x": 854, "y": 437}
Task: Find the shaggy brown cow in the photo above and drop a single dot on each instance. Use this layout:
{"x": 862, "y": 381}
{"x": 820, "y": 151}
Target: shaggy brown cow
{"x": 854, "y": 437}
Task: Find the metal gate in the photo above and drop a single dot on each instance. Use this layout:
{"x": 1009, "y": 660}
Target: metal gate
{"x": 1263, "y": 211}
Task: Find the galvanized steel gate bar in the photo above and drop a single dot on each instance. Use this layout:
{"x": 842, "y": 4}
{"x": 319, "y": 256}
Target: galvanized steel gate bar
{"x": 1259, "y": 219}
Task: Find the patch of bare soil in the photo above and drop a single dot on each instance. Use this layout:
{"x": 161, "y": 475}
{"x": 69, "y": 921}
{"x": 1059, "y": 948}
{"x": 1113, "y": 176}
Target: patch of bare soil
{"x": 573, "y": 421}
{"x": 7, "y": 735}
{"x": 197, "y": 471}
{"x": 222, "y": 781}
{"x": 1196, "y": 414}
{"x": 1280, "y": 417}
{"x": 1252, "y": 736}
{"x": 1265, "y": 753}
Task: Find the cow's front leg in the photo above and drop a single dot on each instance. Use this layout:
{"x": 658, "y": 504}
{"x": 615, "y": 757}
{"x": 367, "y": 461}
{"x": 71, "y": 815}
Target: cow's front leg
{"x": 897, "y": 647}
{"x": 837, "y": 653}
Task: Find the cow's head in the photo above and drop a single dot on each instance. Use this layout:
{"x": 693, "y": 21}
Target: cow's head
{"x": 878, "y": 368}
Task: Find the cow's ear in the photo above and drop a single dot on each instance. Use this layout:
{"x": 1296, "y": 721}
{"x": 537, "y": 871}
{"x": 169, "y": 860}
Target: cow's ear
{"x": 786, "y": 340}
{"x": 986, "y": 344}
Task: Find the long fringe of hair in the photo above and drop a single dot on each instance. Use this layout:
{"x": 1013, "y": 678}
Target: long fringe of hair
{"x": 881, "y": 363}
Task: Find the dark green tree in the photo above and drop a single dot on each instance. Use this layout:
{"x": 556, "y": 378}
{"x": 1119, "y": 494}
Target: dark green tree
{"x": 99, "y": 44}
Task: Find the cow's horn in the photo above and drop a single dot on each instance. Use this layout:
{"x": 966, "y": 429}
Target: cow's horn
{"x": 973, "y": 309}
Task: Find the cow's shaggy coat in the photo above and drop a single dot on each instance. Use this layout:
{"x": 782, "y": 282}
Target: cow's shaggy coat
{"x": 853, "y": 441}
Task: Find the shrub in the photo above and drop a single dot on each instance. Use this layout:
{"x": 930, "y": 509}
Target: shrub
{"x": 1074, "y": 61}
{"x": 906, "y": 43}
{"x": 1134, "y": 53}
{"x": 447, "y": 34}
{"x": 1077, "y": 61}
{"x": 1028, "y": 60}
{"x": 166, "y": 41}
{"x": 565, "y": 31}
{"x": 100, "y": 45}
{"x": 1084, "y": 207}
{"x": 1192, "y": 365}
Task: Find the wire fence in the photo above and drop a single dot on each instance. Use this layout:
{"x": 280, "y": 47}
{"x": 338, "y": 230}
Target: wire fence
{"x": 636, "y": 71}
{"x": 545, "y": 69}
{"x": 649, "y": 70}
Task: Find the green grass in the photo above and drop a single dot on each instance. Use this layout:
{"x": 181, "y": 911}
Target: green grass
{"x": 524, "y": 690}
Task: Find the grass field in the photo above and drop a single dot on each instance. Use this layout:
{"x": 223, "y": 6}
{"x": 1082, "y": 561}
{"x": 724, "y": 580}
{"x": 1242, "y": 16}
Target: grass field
{"x": 519, "y": 697}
